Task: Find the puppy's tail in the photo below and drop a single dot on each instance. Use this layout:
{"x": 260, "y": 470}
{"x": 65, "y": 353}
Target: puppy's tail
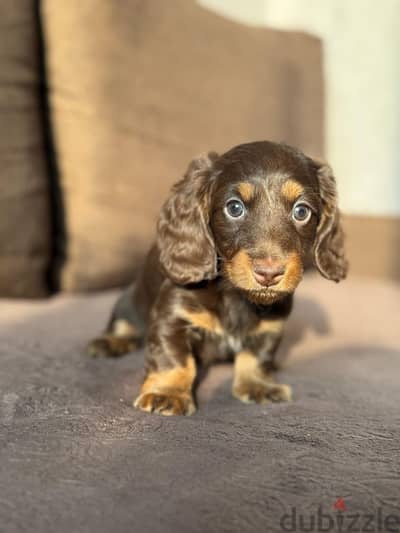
{"x": 125, "y": 330}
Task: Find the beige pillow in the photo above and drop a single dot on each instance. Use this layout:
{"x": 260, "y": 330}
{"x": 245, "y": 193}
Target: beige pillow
{"x": 24, "y": 194}
{"x": 138, "y": 89}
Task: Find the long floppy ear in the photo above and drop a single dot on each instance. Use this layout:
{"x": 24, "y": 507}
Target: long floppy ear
{"x": 184, "y": 240}
{"x": 329, "y": 254}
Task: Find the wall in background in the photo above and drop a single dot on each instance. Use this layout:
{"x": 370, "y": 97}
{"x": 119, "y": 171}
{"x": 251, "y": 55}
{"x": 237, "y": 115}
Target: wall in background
{"x": 362, "y": 68}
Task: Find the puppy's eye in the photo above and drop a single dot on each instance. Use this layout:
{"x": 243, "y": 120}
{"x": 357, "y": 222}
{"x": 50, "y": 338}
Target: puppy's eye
{"x": 301, "y": 213}
{"x": 234, "y": 208}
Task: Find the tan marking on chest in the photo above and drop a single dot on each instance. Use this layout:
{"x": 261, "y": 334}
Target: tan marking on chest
{"x": 291, "y": 190}
{"x": 268, "y": 326}
{"x": 246, "y": 190}
{"x": 203, "y": 319}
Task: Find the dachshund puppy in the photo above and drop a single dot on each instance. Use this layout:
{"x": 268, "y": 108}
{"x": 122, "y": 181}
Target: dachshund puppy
{"x": 232, "y": 243}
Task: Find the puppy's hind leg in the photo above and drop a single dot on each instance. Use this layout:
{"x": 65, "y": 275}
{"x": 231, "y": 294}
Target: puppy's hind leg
{"x": 124, "y": 332}
{"x": 119, "y": 340}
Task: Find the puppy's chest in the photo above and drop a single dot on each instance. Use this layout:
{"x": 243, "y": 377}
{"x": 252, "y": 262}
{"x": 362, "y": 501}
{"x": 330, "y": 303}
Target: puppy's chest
{"x": 229, "y": 332}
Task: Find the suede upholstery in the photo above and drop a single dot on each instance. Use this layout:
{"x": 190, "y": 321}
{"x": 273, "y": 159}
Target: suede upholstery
{"x": 24, "y": 195}
{"x": 76, "y": 456}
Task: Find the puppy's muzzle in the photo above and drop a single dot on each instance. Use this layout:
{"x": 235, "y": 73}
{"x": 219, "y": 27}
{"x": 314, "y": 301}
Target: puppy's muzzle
{"x": 268, "y": 272}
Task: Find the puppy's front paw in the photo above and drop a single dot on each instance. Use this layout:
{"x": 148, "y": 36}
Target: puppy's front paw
{"x": 262, "y": 392}
{"x": 166, "y": 403}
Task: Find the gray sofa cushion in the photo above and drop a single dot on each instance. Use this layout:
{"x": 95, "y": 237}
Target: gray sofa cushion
{"x": 75, "y": 455}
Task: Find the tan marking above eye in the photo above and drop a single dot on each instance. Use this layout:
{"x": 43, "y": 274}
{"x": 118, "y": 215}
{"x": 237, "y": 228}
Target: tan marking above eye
{"x": 291, "y": 190}
{"x": 246, "y": 190}
{"x": 203, "y": 319}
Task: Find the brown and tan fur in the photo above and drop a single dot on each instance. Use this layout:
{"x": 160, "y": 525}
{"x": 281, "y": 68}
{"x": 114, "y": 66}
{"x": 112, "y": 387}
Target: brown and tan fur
{"x": 217, "y": 286}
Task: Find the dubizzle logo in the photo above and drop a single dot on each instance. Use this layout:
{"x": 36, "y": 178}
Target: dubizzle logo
{"x": 340, "y": 520}
{"x": 339, "y": 505}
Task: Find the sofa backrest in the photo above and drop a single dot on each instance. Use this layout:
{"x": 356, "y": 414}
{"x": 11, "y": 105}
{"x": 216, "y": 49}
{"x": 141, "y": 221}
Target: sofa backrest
{"x": 25, "y": 245}
{"x": 136, "y": 89}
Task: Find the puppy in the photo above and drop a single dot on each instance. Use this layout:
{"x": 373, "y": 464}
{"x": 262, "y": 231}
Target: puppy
{"x": 232, "y": 243}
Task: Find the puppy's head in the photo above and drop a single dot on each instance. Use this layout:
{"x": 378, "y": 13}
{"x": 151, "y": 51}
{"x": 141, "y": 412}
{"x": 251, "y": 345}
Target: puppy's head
{"x": 253, "y": 215}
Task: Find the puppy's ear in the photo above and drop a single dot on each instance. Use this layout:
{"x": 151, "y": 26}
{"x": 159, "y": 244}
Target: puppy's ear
{"x": 184, "y": 240}
{"x": 329, "y": 254}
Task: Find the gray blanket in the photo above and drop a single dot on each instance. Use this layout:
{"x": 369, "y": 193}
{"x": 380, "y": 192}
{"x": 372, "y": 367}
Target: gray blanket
{"x": 76, "y": 457}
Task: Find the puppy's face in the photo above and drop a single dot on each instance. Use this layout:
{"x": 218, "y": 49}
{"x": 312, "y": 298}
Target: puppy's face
{"x": 254, "y": 216}
{"x": 264, "y": 216}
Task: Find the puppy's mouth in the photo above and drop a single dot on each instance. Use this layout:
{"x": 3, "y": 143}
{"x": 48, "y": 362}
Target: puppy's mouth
{"x": 264, "y": 281}
{"x": 264, "y": 296}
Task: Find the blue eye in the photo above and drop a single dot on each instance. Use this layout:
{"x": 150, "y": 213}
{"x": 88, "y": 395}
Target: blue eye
{"x": 234, "y": 208}
{"x": 301, "y": 213}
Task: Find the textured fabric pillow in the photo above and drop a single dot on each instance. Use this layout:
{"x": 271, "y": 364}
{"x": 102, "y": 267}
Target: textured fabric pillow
{"x": 24, "y": 198}
{"x": 138, "y": 88}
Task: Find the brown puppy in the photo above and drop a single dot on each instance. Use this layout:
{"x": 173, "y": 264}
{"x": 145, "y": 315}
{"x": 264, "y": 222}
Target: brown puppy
{"x": 232, "y": 242}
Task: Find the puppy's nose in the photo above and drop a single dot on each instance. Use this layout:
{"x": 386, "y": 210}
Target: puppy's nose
{"x": 268, "y": 272}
